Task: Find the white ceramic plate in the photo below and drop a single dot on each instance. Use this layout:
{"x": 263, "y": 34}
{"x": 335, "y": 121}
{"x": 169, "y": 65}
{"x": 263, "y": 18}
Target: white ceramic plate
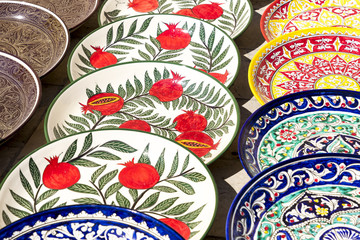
{"x": 88, "y": 168}
{"x": 148, "y": 38}
{"x": 139, "y": 91}
{"x": 232, "y": 16}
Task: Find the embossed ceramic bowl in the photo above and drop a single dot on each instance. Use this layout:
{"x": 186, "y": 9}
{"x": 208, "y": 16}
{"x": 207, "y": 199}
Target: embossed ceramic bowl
{"x": 285, "y": 16}
{"x": 311, "y": 122}
{"x": 311, "y": 197}
{"x": 34, "y": 34}
{"x": 20, "y": 91}
{"x": 90, "y": 222}
{"x": 304, "y": 60}
{"x": 72, "y": 12}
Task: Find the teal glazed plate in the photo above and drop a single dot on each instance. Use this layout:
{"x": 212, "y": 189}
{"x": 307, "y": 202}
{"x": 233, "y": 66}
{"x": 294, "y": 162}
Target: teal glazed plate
{"x": 136, "y": 170}
{"x": 170, "y": 38}
{"x": 311, "y": 122}
{"x": 310, "y": 197}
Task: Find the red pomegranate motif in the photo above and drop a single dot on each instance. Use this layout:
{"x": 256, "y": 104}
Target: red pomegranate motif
{"x": 178, "y": 226}
{"x": 60, "y": 175}
{"x": 198, "y": 142}
{"x": 167, "y": 89}
{"x": 106, "y": 103}
{"x": 138, "y": 175}
{"x": 208, "y": 11}
{"x": 136, "y": 125}
{"x": 221, "y": 77}
{"x": 100, "y": 59}
{"x": 186, "y": 12}
{"x": 174, "y": 38}
{"x": 143, "y": 6}
{"x": 190, "y": 121}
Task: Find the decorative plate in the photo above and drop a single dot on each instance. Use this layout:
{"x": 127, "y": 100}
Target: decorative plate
{"x": 232, "y": 16}
{"x": 34, "y": 34}
{"x": 304, "y": 60}
{"x": 311, "y": 197}
{"x": 170, "y": 38}
{"x": 20, "y": 91}
{"x": 285, "y": 16}
{"x": 131, "y": 169}
{"x": 174, "y": 101}
{"x": 72, "y": 12}
{"x": 88, "y": 222}
{"x": 311, "y": 122}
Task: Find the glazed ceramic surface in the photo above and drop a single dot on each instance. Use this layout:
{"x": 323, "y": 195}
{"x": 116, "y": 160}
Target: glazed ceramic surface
{"x": 88, "y": 222}
{"x": 34, "y": 34}
{"x": 20, "y": 91}
{"x": 312, "y": 197}
{"x": 232, "y": 16}
{"x": 312, "y": 122}
{"x": 284, "y": 16}
{"x": 72, "y": 12}
{"x": 147, "y": 38}
{"x": 305, "y": 60}
{"x": 131, "y": 169}
{"x": 174, "y": 101}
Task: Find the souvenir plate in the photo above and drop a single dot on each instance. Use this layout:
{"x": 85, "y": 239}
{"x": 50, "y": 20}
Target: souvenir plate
{"x": 170, "y": 38}
{"x": 232, "y": 16}
{"x": 72, "y": 12}
{"x": 20, "y": 91}
{"x": 34, "y": 34}
{"x": 161, "y": 179}
{"x": 304, "y": 60}
{"x": 311, "y": 122}
{"x": 312, "y": 197}
{"x": 174, "y": 101}
{"x": 284, "y": 16}
{"x": 88, "y": 222}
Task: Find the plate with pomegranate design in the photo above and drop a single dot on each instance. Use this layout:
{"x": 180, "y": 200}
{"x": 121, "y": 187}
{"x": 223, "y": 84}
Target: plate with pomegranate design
{"x": 170, "y": 38}
{"x": 310, "y": 197}
{"x": 285, "y": 16}
{"x": 305, "y": 60}
{"x": 306, "y": 123}
{"x": 131, "y": 169}
{"x": 178, "y": 102}
{"x": 89, "y": 222}
{"x": 34, "y": 34}
{"x": 232, "y": 16}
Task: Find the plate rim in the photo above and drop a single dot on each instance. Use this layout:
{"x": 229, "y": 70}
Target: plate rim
{"x": 264, "y": 21}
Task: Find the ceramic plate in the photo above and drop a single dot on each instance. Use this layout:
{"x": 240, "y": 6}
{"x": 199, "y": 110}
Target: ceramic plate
{"x": 174, "y": 101}
{"x": 34, "y": 34}
{"x": 20, "y": 91}
{"x": 232, "y": 16}
{"x": 312, "y": 197}
{"x": 170, "y": 38}
{"x": 284, "y": 16}
{"x": 131, "y": 169}
{"x": 72, "y": 12}
{"x": 311, "y": 122}
{"x": 304, "y": 60}
{"x": 88, "y": 222}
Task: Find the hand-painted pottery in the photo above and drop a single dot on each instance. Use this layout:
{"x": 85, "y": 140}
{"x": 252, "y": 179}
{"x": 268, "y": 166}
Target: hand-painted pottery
{"x": 72, "y": 12}
{"x": 285, "y": 16}
{"x": 126, "y": 168}
{"x": 232, "y": 16}
{"x": 32, "y": 33}
{"x": 304, "y": 60}
{"x": 89, "y": 222}
{"x": 20, "y": 91}
{"x": 311, "y": 197}
{"x": 170, "y": 38}
{"x": 312, "y": 122}
{"x": 174, "y": 101}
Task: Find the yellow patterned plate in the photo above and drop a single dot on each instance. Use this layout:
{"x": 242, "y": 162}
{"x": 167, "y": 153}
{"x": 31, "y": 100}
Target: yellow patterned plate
{"x": 304, "y": 60}
{"x": 285, "y": 16}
